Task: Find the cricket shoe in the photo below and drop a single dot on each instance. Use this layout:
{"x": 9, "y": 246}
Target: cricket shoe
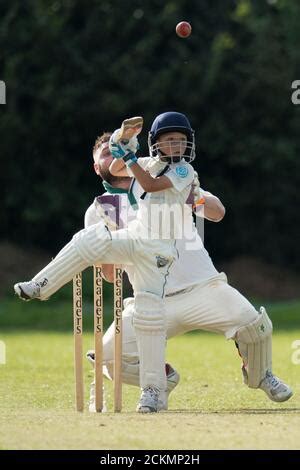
{"x": 28, "y": 290}
{"x": 92, "y": 402}
{"x": 149, "y": 401}
{"x": 275, "y": 388}
{"x": 172, "y": 381}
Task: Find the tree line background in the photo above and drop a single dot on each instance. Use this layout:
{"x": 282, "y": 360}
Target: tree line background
{"x": 75, "y": 68}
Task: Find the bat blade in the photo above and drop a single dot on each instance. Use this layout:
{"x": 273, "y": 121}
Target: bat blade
{"x": 130, "y": 127}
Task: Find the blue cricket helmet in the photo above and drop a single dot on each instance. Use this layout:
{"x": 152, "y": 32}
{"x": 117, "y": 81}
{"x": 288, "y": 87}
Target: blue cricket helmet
{"x": 171, "y": 121}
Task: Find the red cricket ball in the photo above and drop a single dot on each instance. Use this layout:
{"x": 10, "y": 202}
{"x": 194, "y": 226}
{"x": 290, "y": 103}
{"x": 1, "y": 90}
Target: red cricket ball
{"x": 183, "y": 29}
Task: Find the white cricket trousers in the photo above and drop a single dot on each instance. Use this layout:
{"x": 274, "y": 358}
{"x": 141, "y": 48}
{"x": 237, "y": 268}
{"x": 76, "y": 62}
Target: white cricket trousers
{"x": 212, "y": 305}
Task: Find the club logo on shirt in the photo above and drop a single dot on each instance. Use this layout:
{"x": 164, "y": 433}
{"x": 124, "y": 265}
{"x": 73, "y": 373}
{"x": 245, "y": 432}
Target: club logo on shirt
{"x": 182, "y": 171}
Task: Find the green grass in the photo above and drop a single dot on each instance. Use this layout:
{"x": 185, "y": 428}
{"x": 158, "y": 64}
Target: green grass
{"x": 210, "y": 408}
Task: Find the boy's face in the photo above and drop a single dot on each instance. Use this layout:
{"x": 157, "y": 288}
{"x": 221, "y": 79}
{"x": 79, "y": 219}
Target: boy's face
{"x": 172, "y": 144}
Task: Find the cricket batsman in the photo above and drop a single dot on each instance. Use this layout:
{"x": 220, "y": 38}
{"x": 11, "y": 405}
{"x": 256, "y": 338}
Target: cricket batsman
{"x": 148, "y": 243}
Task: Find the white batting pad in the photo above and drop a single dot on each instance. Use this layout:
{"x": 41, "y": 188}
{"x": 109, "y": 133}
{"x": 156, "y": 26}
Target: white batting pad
{"x": 150, "y": 328}
{"x": 255, "y": 346}
{"x": 92, "y": 242}
{"x": 84, "y": 249}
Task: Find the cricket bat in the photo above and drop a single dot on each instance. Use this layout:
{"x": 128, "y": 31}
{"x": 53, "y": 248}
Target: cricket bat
{"x": 130, "y": 127}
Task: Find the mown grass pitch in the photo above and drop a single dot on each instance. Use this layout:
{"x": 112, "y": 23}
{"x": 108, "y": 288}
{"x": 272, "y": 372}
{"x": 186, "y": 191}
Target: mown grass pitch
{"x": 210, "y": 408}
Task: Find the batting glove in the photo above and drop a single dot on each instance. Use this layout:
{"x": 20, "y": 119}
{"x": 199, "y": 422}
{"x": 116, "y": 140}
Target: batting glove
{"x": 199, "y": 199}
{"x": 122, "y": 148}
{"x": 130, "y": 159}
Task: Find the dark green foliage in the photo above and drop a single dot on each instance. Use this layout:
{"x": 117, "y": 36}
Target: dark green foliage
{"x": 74, "y": 68}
